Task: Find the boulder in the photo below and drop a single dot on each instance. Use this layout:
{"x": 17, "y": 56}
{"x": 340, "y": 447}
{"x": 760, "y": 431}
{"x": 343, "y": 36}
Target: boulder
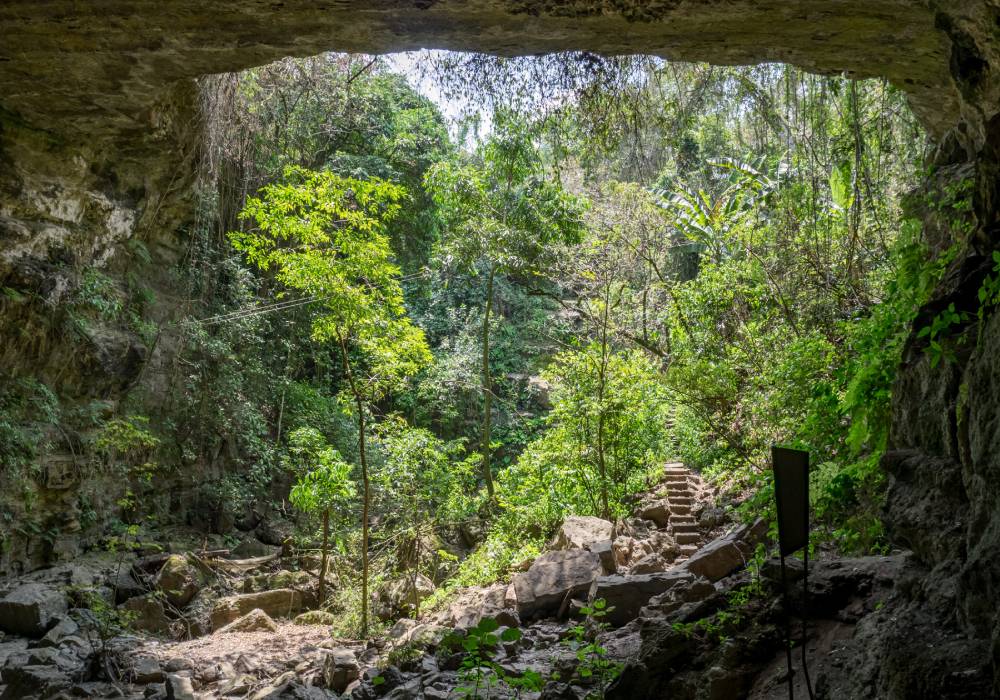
{"x": 252, "y": 548}
{"x": 125, "y": 585}
{"x": 724, "y": 555}
{"x": 664, "y": 544}
{"x": 554, "y": 578}
{"x": 582, "y": 532}
{"x": 657, "y": 511}
{"x": 12, "y": 648}
{"x": 275, "y": 532}
{"x": 316, "y": 617}
{"x": 31, "y": 609}
{"x": 254, "y": 621}
{"x": 180, "y": 688}
{"x": 198, "y": 613}
{"x": 626, "y": 595}
{"x": 399, "y": 597}
{"x": 606, "y": 553}
{"x": 678, "y": 597}
{"x": 340, "y": 668}
{"x": 34, "y": 681}
{"x": 178, "y": 580}
{"x": 146, "y": 670}
{"x": 282, "y": 602}
{"x": 649, "y": 564}
{"x": 66, "y": 627}
{"x": 147, "y": 614}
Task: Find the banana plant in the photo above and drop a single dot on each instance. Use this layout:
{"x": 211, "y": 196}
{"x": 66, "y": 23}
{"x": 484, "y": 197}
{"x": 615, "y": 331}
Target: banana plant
{"x": 707, "y": 219}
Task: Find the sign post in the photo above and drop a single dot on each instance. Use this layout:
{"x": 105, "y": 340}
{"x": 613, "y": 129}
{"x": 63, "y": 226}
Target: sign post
{"x": 791, "y": 494}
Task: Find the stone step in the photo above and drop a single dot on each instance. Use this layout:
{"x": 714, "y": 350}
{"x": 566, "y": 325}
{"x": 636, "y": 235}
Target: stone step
{"x": 674, "y": 525}
{"x": 686, "y": 537}
{"x": 687, "y": 550}
{"x": 683, "y": 520}
{"x": 680, "y": 498}
{"x": 680, "y": 508}
{"x": 685, "y": 530}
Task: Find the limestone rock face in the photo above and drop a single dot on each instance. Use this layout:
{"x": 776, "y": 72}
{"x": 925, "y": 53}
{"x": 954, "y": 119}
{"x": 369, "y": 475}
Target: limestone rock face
{"x": 554, "y": 578}
{"x": 150, "y": 47}
{"x": 31, "y": 609}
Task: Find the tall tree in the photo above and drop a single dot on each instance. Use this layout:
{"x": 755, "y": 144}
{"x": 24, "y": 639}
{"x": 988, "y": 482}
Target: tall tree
{"x": 502, "y": 215}
{"x": 326, "y": 235}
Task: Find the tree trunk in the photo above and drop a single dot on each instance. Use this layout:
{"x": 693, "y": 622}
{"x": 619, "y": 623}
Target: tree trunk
{"x": 487, "y": 385}
{"x": 323, "y": 556}
{"x": 601, "y": 380}
{"x": 359, "y": 402}
{"x": 365, "y": 507}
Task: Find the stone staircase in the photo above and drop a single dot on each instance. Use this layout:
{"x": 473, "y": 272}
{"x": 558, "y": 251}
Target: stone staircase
{"x": 682, "y": 488}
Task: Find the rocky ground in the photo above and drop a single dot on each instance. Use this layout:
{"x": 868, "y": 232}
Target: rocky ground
{"x": 683, "y": 617}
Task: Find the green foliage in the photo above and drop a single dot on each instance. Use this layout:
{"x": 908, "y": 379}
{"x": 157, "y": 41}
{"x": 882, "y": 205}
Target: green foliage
{"x": 324, "y": 478}
{"x": 422, "y": 478}
{"x": 500, "y": 207}
{"x": 989, "y": 291}
{"x": 479, "y": 673}
{"x": 558, "y": 474}
{"x": 28, "y": 410}
{"x": 593, "y": 665}
{"x": 324, "y": 235}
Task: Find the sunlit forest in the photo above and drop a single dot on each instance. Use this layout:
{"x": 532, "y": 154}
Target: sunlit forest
{"x": 432, "y": 307}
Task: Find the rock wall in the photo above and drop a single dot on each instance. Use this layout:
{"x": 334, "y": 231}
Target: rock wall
{"x": 99, "y": 126}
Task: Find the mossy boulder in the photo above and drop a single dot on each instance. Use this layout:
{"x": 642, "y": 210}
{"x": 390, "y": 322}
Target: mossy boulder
{"x": 316, "y": 617}
{"x": 179, "y": 580}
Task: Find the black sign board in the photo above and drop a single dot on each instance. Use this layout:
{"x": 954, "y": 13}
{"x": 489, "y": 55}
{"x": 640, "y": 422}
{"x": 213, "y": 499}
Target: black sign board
{"x": 791, "y": 491}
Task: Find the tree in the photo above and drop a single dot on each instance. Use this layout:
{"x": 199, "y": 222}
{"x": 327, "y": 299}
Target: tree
{"x": 502, "y": 214}
{"x": 324, "y": 484}
{"x": 426, "y": 485}
{"x": 325, "y": 235}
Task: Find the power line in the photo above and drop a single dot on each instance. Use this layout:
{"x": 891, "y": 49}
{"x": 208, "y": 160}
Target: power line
{"x": 249, "y": 312}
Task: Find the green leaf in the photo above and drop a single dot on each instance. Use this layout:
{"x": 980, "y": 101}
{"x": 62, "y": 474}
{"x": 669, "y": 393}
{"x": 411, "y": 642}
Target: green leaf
{"x": 488, "y": 624}
{"x": 511, "y": 634}
{"x": 840, "y": 186}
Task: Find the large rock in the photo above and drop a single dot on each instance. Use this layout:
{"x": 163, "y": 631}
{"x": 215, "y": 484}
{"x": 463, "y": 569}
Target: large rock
{"x": 400, "y": 597}
{"x": 555, "y": 578}
{"x": 724, "y": 555}
{"x": 34, "y": 681}
{"x": 316, "y": 617}
{"x": 649, "y": 564}
{"x": 657, "y": 511}
{"x": 31, "y": 609}
{"x": 178, "y": 580}
{"x": 626, "y": 595}
{"x": 582, "y": 532}
{"x": 147, "y": 614}
{"x": 340, "y": 668}
{"x": 282, "y": 602}
{"x": 254, "y": 621}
